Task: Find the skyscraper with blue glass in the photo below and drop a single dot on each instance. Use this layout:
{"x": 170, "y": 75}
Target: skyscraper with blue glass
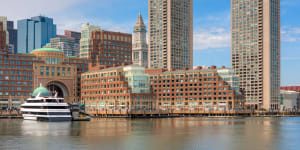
{"x": 35, "y": 33}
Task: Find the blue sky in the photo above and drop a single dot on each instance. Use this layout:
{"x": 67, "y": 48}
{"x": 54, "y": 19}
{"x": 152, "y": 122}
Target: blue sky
{"x": 211, "y": 25}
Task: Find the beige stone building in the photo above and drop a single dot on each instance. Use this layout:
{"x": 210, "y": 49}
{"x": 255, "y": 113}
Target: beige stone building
{"x": 170, "y": 34}
{"x": 255, "y": 31}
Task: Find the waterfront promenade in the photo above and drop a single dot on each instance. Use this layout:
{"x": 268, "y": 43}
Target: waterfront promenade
{"x": 169, "y": 113}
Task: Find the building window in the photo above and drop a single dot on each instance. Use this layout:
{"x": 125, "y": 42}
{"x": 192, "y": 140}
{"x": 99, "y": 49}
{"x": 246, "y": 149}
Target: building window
{"x": 58, "y": 71}
{"x": 47, "y": 71}
{"x": 63, "y": 71}
{"x": 41, "y": 70}
{"x": 69, "y": 72}
{"x": 52, "y": 71}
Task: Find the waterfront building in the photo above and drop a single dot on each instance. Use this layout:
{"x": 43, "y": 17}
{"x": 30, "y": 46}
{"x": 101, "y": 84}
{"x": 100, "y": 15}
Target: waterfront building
{"x": 64, "y": 43}
{"x": 13, "y": 37}
{"x": 85, "y": 41}
{"x": 199, "y": 89}
{"x": 123, "y": 89}
{"x": 255, "y": 49}
{"x": 73, "y": 34}
{"x": 35, "y": 33}
{"x": 289, "y": 100}
{"x": 293, "y": 88}
{"x": 170, "y": 34}
{"x": 140, "y": 46}
{"x": 21, "y": 73}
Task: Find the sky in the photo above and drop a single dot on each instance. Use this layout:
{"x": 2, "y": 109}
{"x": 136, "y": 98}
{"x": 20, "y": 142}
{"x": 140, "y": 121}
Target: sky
{"x": 211, "y": 25}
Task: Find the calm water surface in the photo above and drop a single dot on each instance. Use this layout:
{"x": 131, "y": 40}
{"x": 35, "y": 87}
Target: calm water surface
{"x": 154, "y": 134}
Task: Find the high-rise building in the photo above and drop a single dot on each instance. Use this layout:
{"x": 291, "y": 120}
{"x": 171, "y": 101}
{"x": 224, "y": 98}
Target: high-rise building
{"x": 170, "y": 34}
{"x": 66, "y": 44}
{"x": 85, "y": 40}
{"x": 3, "y": 45}
{"x": 255, "y": 31}
{"x": 73, "y": 34}
{"x": 3, "y": 19}
{"x": 140, "y": 47}
{"x": 13, "y": 37}
{"x": 35, "y": 33}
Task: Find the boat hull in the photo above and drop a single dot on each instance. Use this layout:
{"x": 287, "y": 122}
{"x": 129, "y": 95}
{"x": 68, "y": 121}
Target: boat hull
{"x": 50, "y": 119}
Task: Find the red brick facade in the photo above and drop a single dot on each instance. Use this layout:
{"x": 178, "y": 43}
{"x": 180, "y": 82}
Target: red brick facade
{"x": 111, "y": 48}
{"x": 200, "y": 89}
{"x": 107, "y": 90}
{"x": 291, "y": 88}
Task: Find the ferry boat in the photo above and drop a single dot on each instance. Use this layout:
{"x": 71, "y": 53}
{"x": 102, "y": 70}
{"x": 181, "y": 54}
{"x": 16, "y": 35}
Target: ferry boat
{"x": 44, "y": 107}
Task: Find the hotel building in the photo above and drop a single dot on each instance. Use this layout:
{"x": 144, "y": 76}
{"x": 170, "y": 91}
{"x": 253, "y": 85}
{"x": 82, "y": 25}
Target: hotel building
{"x": 198, "y": 89}
{"x": 122, "y": 89}
{"x": 170, "y": 34}
{"x": 255, "y": 54}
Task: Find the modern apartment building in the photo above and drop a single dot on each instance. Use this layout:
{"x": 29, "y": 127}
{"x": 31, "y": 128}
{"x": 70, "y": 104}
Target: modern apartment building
{"x": 64, "y": 43}
{"x": 170, "y": 34}
{"x": 199, "y": 89}
{"x": 122, "y": 89}
{"x": 35, "y": 33}
{"x": 85, "y": 40}
{"x": 255, "y": 32}
{"x": 140, "y": 46}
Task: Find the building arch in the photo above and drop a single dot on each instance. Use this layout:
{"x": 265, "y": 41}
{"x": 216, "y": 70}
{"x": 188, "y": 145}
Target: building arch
{"x": 58, "y": 86}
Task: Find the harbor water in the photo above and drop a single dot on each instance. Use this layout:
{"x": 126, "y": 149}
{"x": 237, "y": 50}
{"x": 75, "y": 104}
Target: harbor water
{"x": 153, "y": 134}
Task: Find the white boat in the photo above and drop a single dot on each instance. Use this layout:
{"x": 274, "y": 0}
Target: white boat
{"x": 43, "y": 107}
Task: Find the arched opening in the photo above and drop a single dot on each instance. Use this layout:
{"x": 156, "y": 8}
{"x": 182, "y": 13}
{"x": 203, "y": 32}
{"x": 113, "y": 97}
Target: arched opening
{"x": 60, "y": 88}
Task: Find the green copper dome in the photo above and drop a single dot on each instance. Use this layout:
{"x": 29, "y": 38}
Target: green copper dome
{"x": 46, "y": 49}
{"x": 43, "y": 92}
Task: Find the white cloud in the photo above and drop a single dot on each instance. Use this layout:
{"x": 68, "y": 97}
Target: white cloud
{"x": 290, "y": 58}
{"x": 65, "y": 17}
{"x": 20, "y": 9}
{"x": 290, "y": 34}
{"x": 211, "y": 37}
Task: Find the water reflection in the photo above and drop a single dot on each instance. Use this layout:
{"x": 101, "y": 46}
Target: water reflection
{"x": 167, "y": 133}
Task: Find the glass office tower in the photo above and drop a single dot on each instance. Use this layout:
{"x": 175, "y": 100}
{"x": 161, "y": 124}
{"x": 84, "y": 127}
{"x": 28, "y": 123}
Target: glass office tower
{"x": 35, "y": 33}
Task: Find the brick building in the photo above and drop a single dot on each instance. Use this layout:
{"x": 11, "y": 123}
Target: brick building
{"x": 122, "y": 88}
{"x": 111, "y": 48}
{"x": 199, "y": 89}
{"x": 20, "y": 74}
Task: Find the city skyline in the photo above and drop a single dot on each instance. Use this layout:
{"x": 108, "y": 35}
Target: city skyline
{"x": 211, "y": 27}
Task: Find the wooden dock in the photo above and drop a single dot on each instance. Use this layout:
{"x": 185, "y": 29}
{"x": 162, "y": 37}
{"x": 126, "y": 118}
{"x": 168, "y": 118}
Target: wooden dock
{"x": 166, "y": 114}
